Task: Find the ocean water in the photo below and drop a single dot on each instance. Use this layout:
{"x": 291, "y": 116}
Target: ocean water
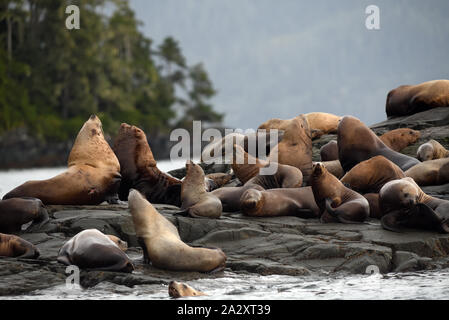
{"x": 416, "y": 285}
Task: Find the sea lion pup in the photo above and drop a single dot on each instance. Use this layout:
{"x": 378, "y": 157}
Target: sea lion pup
{"x": 409, "y": 99}
{"x": 298, "y": 202}
{"x": 357, "y": 143}
{"x": 16, "y": 247}
{"x": 406, "y": 205}
{"x": 15, "y": 212}
{"x": 329, "y": 151}
{"x": 337, "y": 202}
{"x": 196, "y": 201}
{"x": 430, "y": 173}
{"x": 398, "y": 139}
{"x": 162, "y": 245}
{"x": 370, "y": 175}
{"x": 179, "y": 289}
{"x": 91, "y": 249}
{"x": 244, "y": 165}
{"x": 139, "y": 169}
{"x": 93, "y": 173}
{"x": 216, "y": 180}
{"x": 431, "y": 150}
{"x": 334, "y": 167}
{"x": 295, "y": 148}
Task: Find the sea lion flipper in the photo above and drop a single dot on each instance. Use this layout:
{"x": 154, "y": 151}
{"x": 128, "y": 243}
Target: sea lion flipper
{"x": 389, "y": 222}
{"x": 329, "y": 208}
{"x": 40, "y": 222}
{"x": 146, "y": 258}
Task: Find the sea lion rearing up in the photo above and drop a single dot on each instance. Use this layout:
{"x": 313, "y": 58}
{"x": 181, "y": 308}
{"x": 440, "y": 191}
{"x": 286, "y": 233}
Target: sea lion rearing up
{"x": 370, "y": 175}
{"x": 431, "y": 150}
{"x": 162, "y": 245}
{"x": 398, "y": 139}
{"x": 15, "y": 212}
{"x": 92, "y": 176}
{"x": 139, "y": 169}
{"x": 430, "y": 173}
{"x": 16, "y": 247}
{"x": 406, "y": 205}
{"x": 298, "y": 202}
{"x": 337, "y": 202}
{"x": 196, "y": 201}
{"x": 357, "y": 143}
{"x": 91, "y": 249}
{"x": 409, "y": 99}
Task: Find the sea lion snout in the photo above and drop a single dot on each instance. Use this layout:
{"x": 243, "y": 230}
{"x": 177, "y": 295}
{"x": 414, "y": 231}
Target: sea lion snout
{"x": 249, "y": 199}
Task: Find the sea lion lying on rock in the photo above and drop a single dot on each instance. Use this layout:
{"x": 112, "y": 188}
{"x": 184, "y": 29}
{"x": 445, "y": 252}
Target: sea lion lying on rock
{"x": 93, "y": 173}
{"x": 91, "y": 249}
{"x": 162, "y": 245}
{"x": 16, "y": 212}
{"x": 16, "y": 247}
{"x": 398, "y": 139}
{"x": 406, "y": 205}
{"x": 337, "y": 202}
{"x": 430, "y": 173}
{"x": 431, "y": 150}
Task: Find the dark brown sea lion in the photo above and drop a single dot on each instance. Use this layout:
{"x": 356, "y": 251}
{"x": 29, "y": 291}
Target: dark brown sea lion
{"x": 139, "y": 169}
{"x": 406, "y": 205}
{"x": 93, "y": 173}
{"x": 430, "y": 173}
{"x": 370, "y": 175}
{"x": 16, "y": 247}
{"x": 357, "y": 143}
{"x": 374, "y": 206}
{"x": 16, "y": 212}
{"x": 431, "y": 150}
{"x": 398, "y": 139}
{"x": 179, "y": 289}
{"x": 409, "y": 99}
{"x": 298, "y": 202}
{"x": 91, "y": 249}
{"x": 162, "y": 245}
{"x": 295, "y": 148}
{"x": 329, "y": 151}
{"x": 337, "y": 202}
{"x": 196, "y": 201}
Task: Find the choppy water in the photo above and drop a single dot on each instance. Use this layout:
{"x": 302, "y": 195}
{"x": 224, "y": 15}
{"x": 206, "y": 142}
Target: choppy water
{"x": 417, "y": 285}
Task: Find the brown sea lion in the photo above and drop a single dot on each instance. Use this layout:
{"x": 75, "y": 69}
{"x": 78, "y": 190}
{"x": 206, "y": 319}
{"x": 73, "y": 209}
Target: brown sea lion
{"x": 329, "y": 151}
{"x": 337, "y": 202}
{"x": 295, "y": 148}
{"x": 162, "y": 245}
{"x": 374, "y": 206}
{"x": 16, "y": 247}
{"x": 370, "y": 175}
{"x": 179, "y": 289}
{"x": 430, "y": 173}
{"x": 216, "y": 180}
{"x": 16, "y": 212}
{"x": 409, "y": 99}
{"x": 398, "y": 139}
{"x": 196, "y": 201}
{"x": 357, "y": 143}
{"x": 244, "y": 165}
{"x": 406, "y": 205}
{"x": 334, "y": 167}
{"x": 91, "y": 249}
{"x": 230, "y": 196}
{"x": 431, "y": 150}
{"x": 93, "y": 173}
{"x": 298, "y": 202}
{"x": 139, "y": 169}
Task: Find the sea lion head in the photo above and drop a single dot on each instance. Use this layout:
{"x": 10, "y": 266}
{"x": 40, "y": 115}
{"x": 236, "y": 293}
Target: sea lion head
{"x": 402, "y": 193}
{"x": 123, "y": 245}
{"x": 251, "y": 200}
{"x": 318, "y": 170}
{"x": 178, "y": 289}
{"x": 425, "y": 152}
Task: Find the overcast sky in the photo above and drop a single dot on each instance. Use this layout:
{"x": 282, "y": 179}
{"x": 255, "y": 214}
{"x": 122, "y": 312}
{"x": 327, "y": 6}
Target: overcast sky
{"x": 282, "y": 58}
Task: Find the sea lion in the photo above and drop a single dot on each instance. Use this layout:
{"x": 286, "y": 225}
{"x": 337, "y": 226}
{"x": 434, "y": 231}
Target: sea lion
{"x": 406, "y": 205}
{"x": 337, "y": 202}
{"x": 329, "y": 151}
{"x": 244, "y": 165}
{"x": 295, "y": 148}
{"x": 217, "y": 180}
{"x": 356, "y": 143}
{"x": 374, "y": 206}
{"x": 409, "y": 99}
{"x": 16, "y": 247}
{"x": 430, "y": 173}
{"x": 15, "y": 212}
{"x": 139, "y": 169}
{"x": 93, "y": 173}
{"x": 230, "y": 196}
{"x": 298, "y": 202}
{"x": 334, "y": 167}
{"x": 370, "y": 175}
{"x": 196, "y": 201}
{"x": 398, "y": 139}
{"x": 431, "y": 150}
{"x": 179, "y": 289}
{"x": 91, "y": 249}
{"x": 162, "y": 245}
